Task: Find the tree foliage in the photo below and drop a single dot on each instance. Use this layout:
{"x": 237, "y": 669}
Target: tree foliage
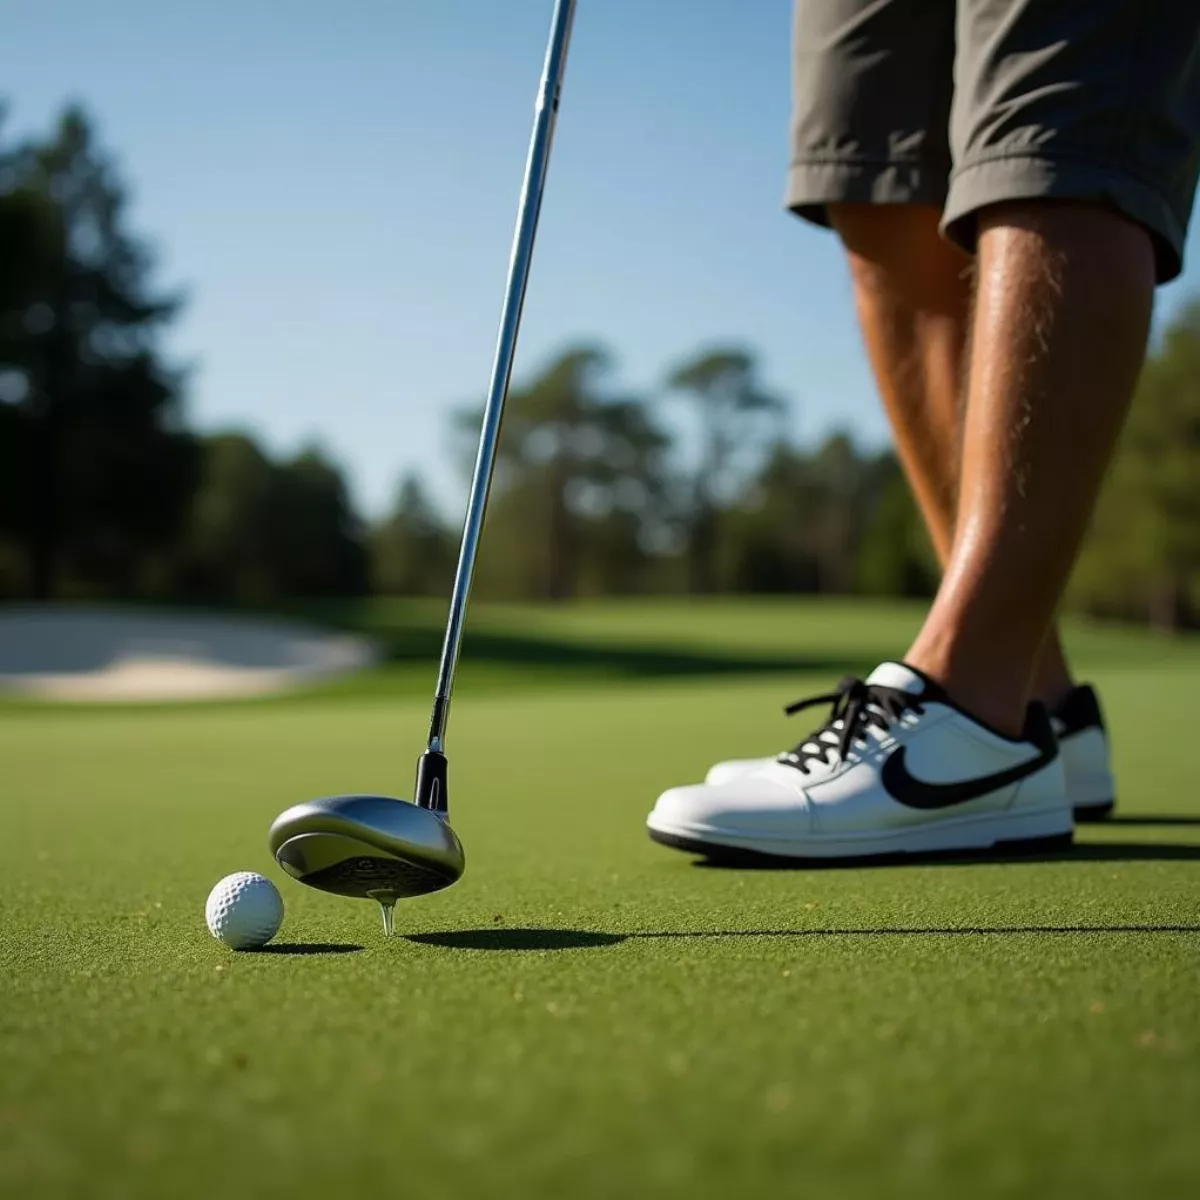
{"x": 579, "y": 486}
{"x": 263, "y": 530}
{"x": 1143, "y": 559}
{"x": 734, "y": 420}
{"x": 412, "y": 551}
{"x": 97, "y": 472}
{"x": 695, "y": 486}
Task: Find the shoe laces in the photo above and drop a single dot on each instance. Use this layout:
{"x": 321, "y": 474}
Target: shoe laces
{"x": 855, "y": 707}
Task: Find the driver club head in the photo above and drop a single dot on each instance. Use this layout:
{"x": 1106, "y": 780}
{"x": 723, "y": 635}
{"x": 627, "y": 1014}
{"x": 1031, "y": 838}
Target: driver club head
{"x": 369, "y": 847}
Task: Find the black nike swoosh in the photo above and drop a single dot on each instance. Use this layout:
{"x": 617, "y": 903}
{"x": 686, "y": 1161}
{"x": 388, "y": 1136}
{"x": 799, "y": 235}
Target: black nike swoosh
{"x": 906, "y": 789}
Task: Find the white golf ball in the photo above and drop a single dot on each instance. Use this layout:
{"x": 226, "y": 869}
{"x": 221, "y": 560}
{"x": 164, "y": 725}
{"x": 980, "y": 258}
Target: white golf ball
{"x": 244, "y": 910}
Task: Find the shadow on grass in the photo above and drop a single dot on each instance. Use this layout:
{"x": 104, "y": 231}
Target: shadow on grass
{"x": 421, "y": 642}
{"x": 302, "y": 948}
{"x": 1150, "y": 819}
{"x": 612, "y": 658}
{"x": 517, "y": 940}
{"x": 736, "y": 860}
{"x": 412, "y": 632}
{"x": 922, "y": 931}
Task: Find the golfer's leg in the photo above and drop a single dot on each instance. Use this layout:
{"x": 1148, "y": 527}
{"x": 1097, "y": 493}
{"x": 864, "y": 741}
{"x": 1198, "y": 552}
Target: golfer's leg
{"x": 912, "y": 291}
{"x": 1075, "y": 131}
{"x": 1061, "y": 317}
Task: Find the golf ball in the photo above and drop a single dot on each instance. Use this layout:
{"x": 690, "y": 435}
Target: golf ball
{"x": 244, "y": 910}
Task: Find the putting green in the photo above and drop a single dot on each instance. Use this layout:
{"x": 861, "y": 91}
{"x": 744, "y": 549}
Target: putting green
{"x": 587, "y": 1014}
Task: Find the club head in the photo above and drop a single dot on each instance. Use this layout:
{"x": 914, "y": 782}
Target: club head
{"x": 372, "y": 847}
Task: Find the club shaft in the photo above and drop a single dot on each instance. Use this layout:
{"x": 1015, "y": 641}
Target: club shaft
{"x": 545, "y": 113}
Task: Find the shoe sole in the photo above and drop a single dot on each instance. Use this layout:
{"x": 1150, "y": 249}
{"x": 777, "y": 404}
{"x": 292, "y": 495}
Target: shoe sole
{"x": 1003, "y": 834}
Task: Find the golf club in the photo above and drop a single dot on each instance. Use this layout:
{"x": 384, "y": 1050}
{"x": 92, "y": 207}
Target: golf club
{"x": 375, "y": 846}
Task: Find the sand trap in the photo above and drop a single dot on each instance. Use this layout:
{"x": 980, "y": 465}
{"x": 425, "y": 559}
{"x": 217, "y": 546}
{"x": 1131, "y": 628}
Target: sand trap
{"x": 113, "y": 654}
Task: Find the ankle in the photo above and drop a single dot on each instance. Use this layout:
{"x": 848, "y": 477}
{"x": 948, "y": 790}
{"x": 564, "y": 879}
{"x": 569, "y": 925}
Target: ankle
{"x": 1052, "y": 685}
{"x": 994, "y": 694}
{"x": 1052, "y": 695}
{"x": 1052, "y": 681}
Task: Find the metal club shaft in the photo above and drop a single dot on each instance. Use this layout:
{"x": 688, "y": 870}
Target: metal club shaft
{"x": 545, "y": 112}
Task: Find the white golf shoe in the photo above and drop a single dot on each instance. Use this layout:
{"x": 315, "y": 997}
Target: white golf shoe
{"x": 1087, "y": 763}
{"x": 1078, "y": 723}
{"x": 896, "y": 769}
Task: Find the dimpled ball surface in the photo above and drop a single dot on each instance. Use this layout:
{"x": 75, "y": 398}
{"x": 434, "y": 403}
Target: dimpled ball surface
{"x": 244, "y": 910}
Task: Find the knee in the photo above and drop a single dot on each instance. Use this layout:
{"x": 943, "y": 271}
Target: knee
{"x": 897, "y": 248}
{"x": 1064, "y": 234}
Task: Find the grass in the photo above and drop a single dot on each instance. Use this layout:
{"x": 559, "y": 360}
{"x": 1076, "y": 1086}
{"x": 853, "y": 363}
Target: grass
{"x": 559, "y": 647}
{"x": 587, "y": 1014}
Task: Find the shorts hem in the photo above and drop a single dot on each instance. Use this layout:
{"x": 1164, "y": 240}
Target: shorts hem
{"x": 998, "y": 178}
{"x": 815, "y": 183}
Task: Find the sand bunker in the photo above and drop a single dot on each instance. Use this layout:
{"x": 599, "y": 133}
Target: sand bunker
{"x": 96, "y": 655}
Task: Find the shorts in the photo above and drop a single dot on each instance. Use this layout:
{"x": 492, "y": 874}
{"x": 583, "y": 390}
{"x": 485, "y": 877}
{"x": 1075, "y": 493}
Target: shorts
{"x": 962, "y": 105}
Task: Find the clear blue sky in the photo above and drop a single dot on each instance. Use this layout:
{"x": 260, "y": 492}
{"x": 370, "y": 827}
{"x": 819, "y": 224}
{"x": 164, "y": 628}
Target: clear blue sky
{"x": 335, "y": 185}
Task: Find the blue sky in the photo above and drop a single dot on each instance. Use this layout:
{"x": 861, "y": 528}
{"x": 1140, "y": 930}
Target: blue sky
{"x": 335, "y": 186}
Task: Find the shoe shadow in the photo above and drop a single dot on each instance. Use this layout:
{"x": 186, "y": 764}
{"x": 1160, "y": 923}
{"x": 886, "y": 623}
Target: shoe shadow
{"x": 1079, "y": 852}
{"x": 1149, "y": 819}
{"x": 921, "y": 931}
{"x": 303, "y": 948}
{"x": 518, "y": 940}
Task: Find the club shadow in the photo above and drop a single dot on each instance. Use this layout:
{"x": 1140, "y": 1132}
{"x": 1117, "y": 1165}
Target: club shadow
{"x": 1150, "y": 819}
{"x": 303, "y": 948}
{"x": 1079, "y": 852}
{"x": 517, "y": 939}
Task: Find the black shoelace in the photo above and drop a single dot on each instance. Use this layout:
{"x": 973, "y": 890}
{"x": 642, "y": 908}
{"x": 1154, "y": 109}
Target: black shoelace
{"x": 856, "y": 707}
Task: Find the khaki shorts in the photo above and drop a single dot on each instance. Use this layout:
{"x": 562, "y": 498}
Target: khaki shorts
{"x": 969, "y": 104}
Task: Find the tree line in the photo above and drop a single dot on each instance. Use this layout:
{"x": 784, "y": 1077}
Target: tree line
{"x": 694, "y": 488}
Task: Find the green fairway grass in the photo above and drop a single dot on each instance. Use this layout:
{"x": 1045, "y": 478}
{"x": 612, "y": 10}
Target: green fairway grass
{"x": 587, "y": 1014}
